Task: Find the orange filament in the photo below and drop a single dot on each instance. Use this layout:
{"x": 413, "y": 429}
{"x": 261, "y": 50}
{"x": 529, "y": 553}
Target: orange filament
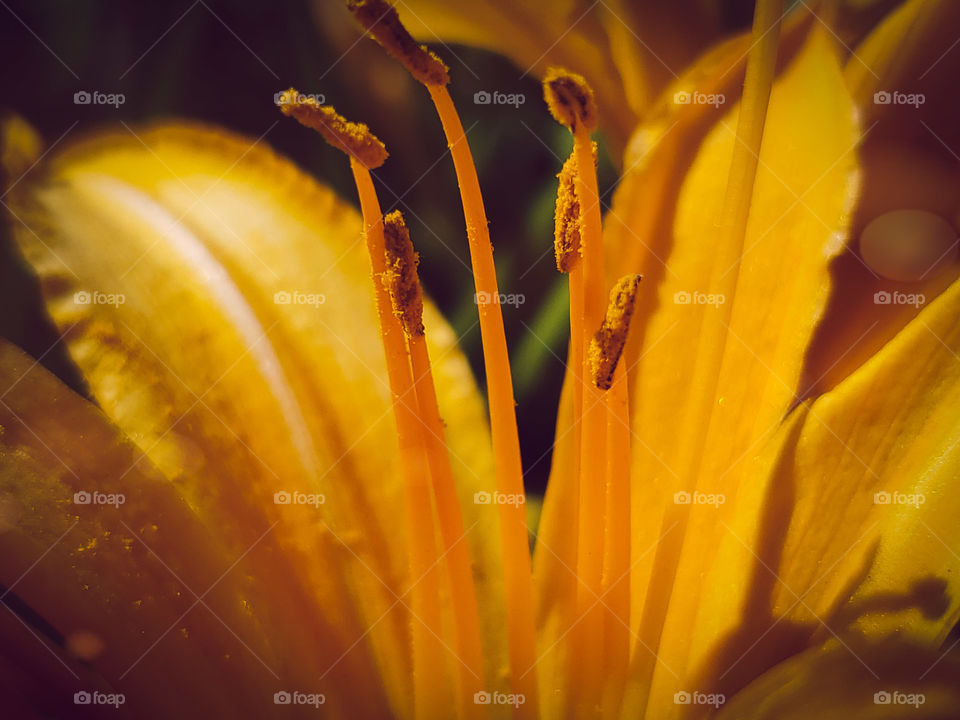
{"x": 570, "y": 100}
{"x": 355, "y": 139}
{"x": 615, "y": 583}
{"x": 429, "y": 656}
{"x": 518, "y": 587}
{"x": 611, "y": 375}
{"x": 404, "y": 287}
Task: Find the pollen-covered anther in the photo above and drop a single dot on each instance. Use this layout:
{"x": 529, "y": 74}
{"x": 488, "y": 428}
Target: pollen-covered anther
{"x": 380, "y": 19}
{"x": 607, "y": 345}
{"x": 355, "y": 139}
{"x": 401, "y": 278}
{"x": 566, "y": 215}
{"x": 570, "y": 99}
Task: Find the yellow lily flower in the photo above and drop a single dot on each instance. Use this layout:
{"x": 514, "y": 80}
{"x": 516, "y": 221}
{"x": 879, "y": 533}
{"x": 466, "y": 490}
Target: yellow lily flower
{"x": 255, "y": 510}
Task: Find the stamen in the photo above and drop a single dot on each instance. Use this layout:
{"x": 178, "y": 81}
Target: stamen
{"x": 382, "y": 22}
{"x": 404, "y": 286}
{"x": 518, "y": 586}
{"x": 401, "y": 275}
{"x": 570, "y": 99}
{"x": 355, "y": 139}
{"x": 429, "y": 657}
{"x": 571, "y": 102}
{"x": 607, "y": 344}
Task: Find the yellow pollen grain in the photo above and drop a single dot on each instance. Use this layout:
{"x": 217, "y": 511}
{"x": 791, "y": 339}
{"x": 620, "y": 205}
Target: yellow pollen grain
{"x": 380, "y": 19}
{"x": 401, "y": 277}
{"x": 570, "y": 99}
{"x": 355, "y": 139}
{"x": 607, "y": 344}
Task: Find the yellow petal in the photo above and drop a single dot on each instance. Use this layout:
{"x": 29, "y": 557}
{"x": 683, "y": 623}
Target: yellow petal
{"x": 873, "y": 478}
{"x": 901, "y": 79}
{"x": 102, "y": 565}
{"x": 801, "y": 200}
{"x": 886, "y": 680}
{"x": 228, "y": 328}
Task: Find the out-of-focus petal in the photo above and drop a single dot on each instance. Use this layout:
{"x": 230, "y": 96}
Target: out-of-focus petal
{"x": 113, "y": 584}
{"x": 219, "y": 305}
{"x": 887, "y": 680}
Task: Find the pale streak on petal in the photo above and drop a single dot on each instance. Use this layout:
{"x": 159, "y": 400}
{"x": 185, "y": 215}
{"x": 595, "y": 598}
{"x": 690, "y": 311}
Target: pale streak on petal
{"x": 227, "y": 296}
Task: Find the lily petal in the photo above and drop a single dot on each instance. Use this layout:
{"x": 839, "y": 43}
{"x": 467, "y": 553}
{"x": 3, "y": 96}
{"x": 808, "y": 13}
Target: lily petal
{"x": 135, "y": 596}
{"x": 884, "y": 680}
{"x": 801, "y": 203}
{"x": 234, "y": 340}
